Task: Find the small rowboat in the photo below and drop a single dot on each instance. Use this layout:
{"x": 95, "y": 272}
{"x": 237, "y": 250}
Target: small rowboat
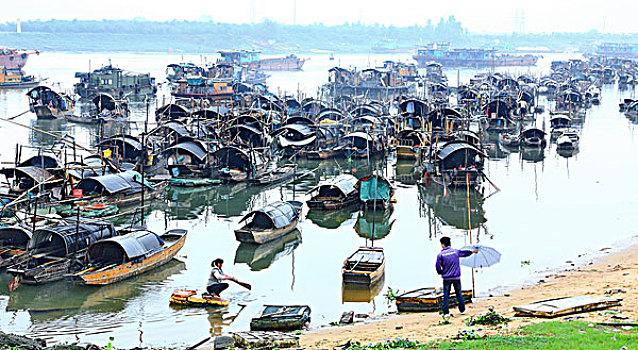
{"x": 281, "y": 318}
{"x": 192, "y": 297}
{"x": 366, "y": 266}
{"x": 427, "y": 300}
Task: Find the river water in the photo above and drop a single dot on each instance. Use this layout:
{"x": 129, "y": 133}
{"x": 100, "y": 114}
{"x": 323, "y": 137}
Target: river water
{"x": 550, "y": 209}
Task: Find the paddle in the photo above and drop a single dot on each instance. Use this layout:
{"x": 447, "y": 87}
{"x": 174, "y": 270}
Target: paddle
{"x": 243, "y": 284}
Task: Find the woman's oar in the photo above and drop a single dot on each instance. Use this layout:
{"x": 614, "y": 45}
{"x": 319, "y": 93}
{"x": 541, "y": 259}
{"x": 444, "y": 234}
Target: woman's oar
{"x": 243, "y": 284}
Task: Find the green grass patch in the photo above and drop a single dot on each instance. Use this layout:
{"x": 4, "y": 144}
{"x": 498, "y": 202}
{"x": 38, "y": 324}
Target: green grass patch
{"x": 544, "y": 335}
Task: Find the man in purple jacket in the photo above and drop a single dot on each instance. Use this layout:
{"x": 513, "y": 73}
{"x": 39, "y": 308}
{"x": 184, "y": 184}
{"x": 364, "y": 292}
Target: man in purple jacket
{"x": 447, "y": 265}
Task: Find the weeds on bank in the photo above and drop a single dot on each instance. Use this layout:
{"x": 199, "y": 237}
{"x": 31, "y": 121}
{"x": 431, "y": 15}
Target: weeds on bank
{"x": 544, "y": 335}
{"x": 489, "y": 319}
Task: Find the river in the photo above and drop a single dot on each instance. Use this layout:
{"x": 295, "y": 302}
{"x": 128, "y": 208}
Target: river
{"x": 550, "y": 209}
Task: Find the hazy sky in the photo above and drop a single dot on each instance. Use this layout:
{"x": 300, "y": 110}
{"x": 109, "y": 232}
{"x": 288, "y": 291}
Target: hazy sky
{"x": 503, "y": 16}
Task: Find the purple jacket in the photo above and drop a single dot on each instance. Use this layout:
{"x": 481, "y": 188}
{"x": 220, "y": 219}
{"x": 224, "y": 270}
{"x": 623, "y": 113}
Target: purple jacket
{"x": 447, "y": 263}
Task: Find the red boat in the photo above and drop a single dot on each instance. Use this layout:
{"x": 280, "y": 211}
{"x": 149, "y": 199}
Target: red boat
{"x": 13, "y": 58}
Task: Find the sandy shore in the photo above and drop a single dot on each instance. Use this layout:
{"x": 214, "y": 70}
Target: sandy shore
{"x": 617, "y": 270}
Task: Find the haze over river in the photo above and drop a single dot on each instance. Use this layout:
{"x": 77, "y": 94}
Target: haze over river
{"x": 550, "y": 209}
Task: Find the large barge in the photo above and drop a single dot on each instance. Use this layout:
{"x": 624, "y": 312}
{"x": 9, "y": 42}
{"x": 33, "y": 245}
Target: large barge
{"x": 442, "y": 53}
{"x": 250, "y": 58}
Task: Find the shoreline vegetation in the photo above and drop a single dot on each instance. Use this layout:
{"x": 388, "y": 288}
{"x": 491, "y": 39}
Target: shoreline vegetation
{"x": 195, "y": 37}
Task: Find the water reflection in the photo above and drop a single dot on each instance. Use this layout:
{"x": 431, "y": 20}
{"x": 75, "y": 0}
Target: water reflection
{"x": 533, "y": 155}
{"x": 188, "y": 203}
{"x": 356, "y": 293}
{"x": 374, "y": 226}
{"x": 261, "y": 256}
{"x": 405, "y": 172}
{"x": 451, "y": 208}
{"x": 61, "y": 299}
{"x": 55, "y": 129}
{"x": 331, "y": 219}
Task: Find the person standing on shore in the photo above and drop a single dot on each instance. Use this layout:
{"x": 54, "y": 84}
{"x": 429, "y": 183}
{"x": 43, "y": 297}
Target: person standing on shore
{"x": 447, "y": 265}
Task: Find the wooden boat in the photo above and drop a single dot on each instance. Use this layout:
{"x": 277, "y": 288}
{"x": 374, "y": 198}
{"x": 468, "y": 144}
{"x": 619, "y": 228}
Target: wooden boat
{"x": 274, "y": 176}
{"x": 270, "y": 222}
{"x": 14, "y": 78}
{"x": 565, "y": 306}
{"x": 58, "y": 250}
{"x": 192, "y": 297}
{"x": 237, "y": 165}
{"x": 336, "y": 193}
{"x": 13, "y": 243}
{"x": 125, "y": 188}
{"x": 281, "y": 318}
{"x": 117, "y": 258}
{"x": 375, "y": 191}
{"x": 427, "y": 300}
{"x": 532, "y": 138}
{"x": 48, "y": 104}
{"x": 366, "y": 266}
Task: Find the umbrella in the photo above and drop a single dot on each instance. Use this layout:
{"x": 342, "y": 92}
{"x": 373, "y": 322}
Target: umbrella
{"x": 486, "y": 256}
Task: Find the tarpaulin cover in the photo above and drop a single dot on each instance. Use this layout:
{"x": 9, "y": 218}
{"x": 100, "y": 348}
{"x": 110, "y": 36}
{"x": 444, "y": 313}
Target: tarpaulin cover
{"x": 280, "y": 213}
{"x": 373, "y": 188}
{"x": 345, "y": 183}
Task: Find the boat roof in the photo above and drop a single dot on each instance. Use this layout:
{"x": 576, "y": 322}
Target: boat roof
{"x": 452, "y": 147}
{"x": 281, "y": 213}
{"x": 345, "y": 183}
{"x": 115, "y": 183}
{"x": 72, "y": 237}
{"x": 193, "y": 148}
{"x": 15, "y": 236}
{"x": 175, "y": 126}
{"x": 127, "y": 139}
{"x": 532, "y": 132}
{"x": 134, "y": 244}
{"x": 37, "y": 174}
{"x": 359, "y": 134}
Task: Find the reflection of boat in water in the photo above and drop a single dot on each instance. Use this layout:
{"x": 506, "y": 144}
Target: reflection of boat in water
{"x": 357, "y": 293}
{"x": 452, "y": 209}
{"x": 331, "y": 219}
{"x": 405, "y": 173}
{"x": 261, "y": 256}
{"x": 374, "y": 226}
{"x": 533, "y": 155}
{"x": 60, "y": 298}
{"x": 188, "y": 202}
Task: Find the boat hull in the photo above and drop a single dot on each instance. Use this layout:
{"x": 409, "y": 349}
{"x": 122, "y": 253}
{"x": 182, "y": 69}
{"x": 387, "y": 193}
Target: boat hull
{"x": 260, "y": 237}
{"x": 132, "y": 268}
{"x": 318, "y": 204}
{"x": 430, "y": 303}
